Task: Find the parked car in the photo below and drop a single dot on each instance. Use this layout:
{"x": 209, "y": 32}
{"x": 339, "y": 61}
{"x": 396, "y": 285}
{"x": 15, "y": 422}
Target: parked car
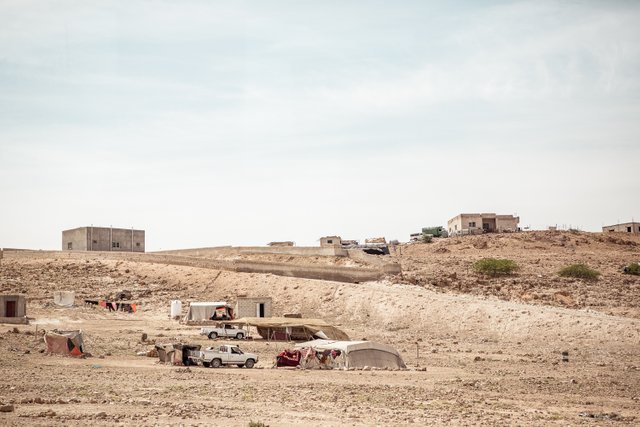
{"x": 224, "y": 330}
{"x": 215, "y": 357}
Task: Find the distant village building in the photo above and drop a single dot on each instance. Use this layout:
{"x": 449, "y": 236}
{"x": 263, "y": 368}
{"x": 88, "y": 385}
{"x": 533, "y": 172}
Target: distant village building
{"x": 13, "y": 309}
{"x": 476, "y": 223}
{"x": 627, "y": 227}
{"x": 103, "y": 239}
{"x": 253, "y": 307}
{"x": 330, "y": 241}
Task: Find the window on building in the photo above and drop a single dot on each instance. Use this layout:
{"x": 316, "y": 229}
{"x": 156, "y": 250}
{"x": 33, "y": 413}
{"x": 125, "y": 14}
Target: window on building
{"x": 456, "y": 226}
{"x": 115, "y": 244}
{"x": 95, "y": 241}
{"x": 329, "y": 241}
{"x": 138, "y": 244}
{"x": 70, "y": 245}
{"x": 472, "y": 224}
{"x": 628, "y": 229}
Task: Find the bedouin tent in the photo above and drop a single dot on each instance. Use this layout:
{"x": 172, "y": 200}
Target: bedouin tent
{"x": 286, "y": 328}
{"x": 64, "y": 298}
{"x": 64, "y": 342}
{"x": 199, "y": 311}
{"x": 327, "y": 354}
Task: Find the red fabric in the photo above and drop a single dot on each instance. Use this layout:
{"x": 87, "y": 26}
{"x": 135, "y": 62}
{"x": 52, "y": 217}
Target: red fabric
{"x": 288, "y": 358}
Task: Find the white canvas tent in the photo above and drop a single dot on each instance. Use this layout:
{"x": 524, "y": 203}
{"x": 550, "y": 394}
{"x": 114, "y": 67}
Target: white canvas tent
{"x": 348, "y": 354}
{"x": 199, "y": 311}
{"x": 64, "y": 298}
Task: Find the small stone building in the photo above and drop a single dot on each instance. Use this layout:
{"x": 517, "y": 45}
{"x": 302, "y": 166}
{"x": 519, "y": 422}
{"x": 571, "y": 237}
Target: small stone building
{"x": 13, "y": 309}
{"x": 253, "y": 307}
{"x": 103, "y": 239}
{"x": 478, "y": 223}
{"x": 330, "y": 241}
{"x": 627, "y": 227}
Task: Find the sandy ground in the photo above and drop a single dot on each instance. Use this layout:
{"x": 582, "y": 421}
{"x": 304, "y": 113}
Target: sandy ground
{"x": 492, "y": 353}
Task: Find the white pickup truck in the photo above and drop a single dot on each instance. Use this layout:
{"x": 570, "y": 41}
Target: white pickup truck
{"x": 224, "y": 330}
{"x": 214, "y": 357}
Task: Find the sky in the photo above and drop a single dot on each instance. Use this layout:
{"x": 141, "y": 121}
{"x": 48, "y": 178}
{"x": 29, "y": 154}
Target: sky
{"x": 210, "y": 123}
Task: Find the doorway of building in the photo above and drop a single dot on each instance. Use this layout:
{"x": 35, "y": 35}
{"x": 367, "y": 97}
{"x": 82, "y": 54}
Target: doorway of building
{"x": 10, "y": 309}
{"x": 260, "y": 309}
{"x": 489, "y": 225}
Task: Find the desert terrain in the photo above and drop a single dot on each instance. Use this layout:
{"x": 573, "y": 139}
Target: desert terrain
{"x": 479, "y": 350}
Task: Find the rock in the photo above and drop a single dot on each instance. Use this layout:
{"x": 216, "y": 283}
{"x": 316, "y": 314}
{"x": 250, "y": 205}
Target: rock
{"x": 366, "y": 368}
{"x": 7, "y": 408}
{"x": 101, "y": 415}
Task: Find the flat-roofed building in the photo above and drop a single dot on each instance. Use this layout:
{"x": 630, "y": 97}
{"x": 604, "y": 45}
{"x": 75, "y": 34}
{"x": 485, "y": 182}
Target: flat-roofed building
{"x": 478, "y": 223}
{"x": 103, "y": 239}
{"x": 330, "y": 241}
{"x": 13, "y": 308}
{"x": 626, "y": 227}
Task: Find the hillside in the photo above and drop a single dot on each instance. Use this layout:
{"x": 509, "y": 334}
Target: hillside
{"x": 491, "y": 347}
{"x": 446, "y": 265}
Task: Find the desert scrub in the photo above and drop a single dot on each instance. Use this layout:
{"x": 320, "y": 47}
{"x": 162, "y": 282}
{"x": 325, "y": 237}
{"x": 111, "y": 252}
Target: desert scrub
{"x": 633, "y": 268}
{"x": 579, "y": 271}
{"x": 495, "y": 267}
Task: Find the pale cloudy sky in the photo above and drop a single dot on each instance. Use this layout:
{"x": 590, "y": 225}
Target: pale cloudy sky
{"x": 241, "y": 122}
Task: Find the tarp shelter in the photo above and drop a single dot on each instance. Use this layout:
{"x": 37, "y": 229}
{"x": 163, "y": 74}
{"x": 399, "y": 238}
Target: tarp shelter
{"x": 176, "y": 354}
{"x": 199, "y": 311}
{"x": 165, "y": 352}
{"x": 319, "y": 354}
{"x": 181, "y": 353}
{"x": 64, "y": 298}
{"x": 64, "y": 342}
{"x": 287, "y": 328}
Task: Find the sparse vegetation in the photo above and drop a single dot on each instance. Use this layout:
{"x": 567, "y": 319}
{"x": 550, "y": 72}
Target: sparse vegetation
{"x": 495, "y": 267}
{"x": 257, "y": 424}
{"x": 579, "y": 271}
{"x": 633, "y": 268}
{"x": 427, "y": 238}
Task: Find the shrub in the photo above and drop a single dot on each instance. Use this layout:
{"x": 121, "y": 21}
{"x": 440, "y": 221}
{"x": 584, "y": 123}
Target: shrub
{"x": 579, "y": 271}
{"x": 495, "y": 267}
{"x": 427, "y": 238}
{"x": 257, "y": 424}
{"x": 633, "y": 268}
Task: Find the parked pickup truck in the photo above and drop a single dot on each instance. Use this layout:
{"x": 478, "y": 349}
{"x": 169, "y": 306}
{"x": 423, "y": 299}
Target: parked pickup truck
{"x": 224, "y": 330}
{"x": 214, "y": 357}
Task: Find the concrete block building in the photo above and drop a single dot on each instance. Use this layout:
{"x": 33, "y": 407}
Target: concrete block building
{"x": 626, "y": 227}
{"x": 103, "y": 239}
{"x": 253, "y": 307}
{"x": 13, "y": 309}
{"x": 478, "y": 223}
{"x": 330, "y": 241}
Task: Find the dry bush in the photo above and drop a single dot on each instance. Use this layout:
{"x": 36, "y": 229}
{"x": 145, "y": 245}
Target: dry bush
{"x": 579, "y": 271}
{"x": 495, "y": 267}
